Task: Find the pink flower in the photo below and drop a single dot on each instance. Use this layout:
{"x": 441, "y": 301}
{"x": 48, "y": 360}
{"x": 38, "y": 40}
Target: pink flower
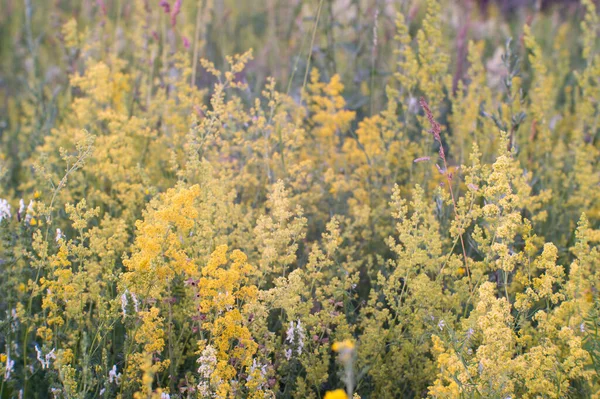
{"x": 421, "y": 159}
{"x": 102, "y": 6}
{"x": 165, "y": 5}
{"x": 175, "y": 12}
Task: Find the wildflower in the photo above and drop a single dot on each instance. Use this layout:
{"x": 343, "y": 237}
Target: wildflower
{"x": 295, "y": 333}
{"x": 288, "y": 354}
{"x": 45, "y": 359}
{"x": 337, "y": 394}
{"x": 345, "y": 345}
{"x": 262, "y": 372}
{"x": 165, "y": 5}
{"x": 29, "y": 215}
{"x": 413, "y": 105}
{"x": 59, "y": 235}
{"x": 4, "y": 209}
{"x": 21, "y": 209}
{"x": 421, "y": 159}
{"x": 10, "y": 364}
{"x": 135, "y": 302}
{"x": 208, "y": 363}
{"x": 175, "y": 12}
{"x": 290, "y": 333}
{"x": 301, "y": 336}
{"x": 113, "y": 376}
{"x": 441, "y": 324}
{"x": 124, "y": 303}
{"x": 165, "y": 395}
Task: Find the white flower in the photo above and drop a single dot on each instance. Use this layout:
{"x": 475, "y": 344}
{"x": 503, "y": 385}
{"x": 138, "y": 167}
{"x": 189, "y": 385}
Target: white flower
{"x": 113, "y": 376}
{"x": 4, "y": 209}
{"x": 165, "y": 395}
{"x": 295, "y": 331}
{"x": 45, "y": 360}
{"x": 290, "y": 333}
{"x": 135, "y": 302}
{"x": 301, "y": 337}
{"x": 10, "y": 364}
{"x": 59, "y": 235}
{"x": 124, "y": 303}
{"x": 413, "y": 105}
{"x": 208, "y": 363}
{"x": 21, "y": 206}
{"x": 582, "y": 327}
{"x": 263, "y": 373}
{"x": 441, "y": 324}
{"x": 29, "y": 215}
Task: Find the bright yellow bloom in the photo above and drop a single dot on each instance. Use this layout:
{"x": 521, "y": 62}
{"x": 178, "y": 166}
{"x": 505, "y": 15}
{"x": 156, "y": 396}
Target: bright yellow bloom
{"x": 337, "y": 394}
{"x": 345, "y": 345}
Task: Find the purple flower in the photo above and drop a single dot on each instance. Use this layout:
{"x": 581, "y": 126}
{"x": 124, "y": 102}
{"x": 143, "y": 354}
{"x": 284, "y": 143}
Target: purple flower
{"x": 175, "y": 12}
{"x": 165, "y": 5}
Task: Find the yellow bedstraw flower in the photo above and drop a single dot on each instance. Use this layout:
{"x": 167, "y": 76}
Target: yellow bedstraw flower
{"x": 345, "y": 345}
{"x": 337, "y": 394}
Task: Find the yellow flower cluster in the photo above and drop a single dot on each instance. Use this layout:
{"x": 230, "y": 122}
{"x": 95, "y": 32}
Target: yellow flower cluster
{"x": 407, "y": 214}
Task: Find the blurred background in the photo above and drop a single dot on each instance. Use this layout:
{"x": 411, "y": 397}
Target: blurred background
{"x": 353, "y": 38}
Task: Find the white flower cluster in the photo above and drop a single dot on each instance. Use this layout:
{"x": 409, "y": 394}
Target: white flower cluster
{"x": 208, "y": 363}
{"x": 113, "y": 376}
{"x": 125, "y": 302}
{"x": 45, "y": 359}
{"x": 29, "y": 214}
{"x": 59, "y": 235}
{"x": 253, "y": 372}
{"x": 295, "y": 334}
{"x": 4, "y": 209}
{"x": 10, "y": 364}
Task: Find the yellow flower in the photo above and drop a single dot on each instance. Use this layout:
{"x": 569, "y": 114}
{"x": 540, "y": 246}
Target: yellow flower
{"x": 45, "y": 333}
{"x": 345, "y": 345}
{"x": 337, "y": 394}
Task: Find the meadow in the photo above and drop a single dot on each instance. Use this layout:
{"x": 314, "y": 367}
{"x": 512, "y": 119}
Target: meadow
{"x": 319, "y": 199}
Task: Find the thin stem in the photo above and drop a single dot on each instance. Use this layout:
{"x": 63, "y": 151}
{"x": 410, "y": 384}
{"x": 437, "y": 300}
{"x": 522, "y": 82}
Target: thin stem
{"x": 312, "y": 42}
